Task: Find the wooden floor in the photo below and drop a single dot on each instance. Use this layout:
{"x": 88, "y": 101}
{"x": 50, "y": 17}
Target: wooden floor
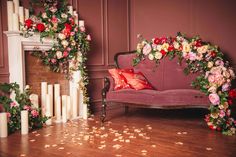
{"x": 143, "y": 132}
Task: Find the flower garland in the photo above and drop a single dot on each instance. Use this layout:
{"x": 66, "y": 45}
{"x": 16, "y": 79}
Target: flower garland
{"x": 216, "y": 74}
{"x": 22, "y": 102}
{"x": 69, "y": 51}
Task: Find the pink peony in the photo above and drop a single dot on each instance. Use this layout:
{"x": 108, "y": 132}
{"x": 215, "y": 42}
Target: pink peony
{"x": 219, "y": 62}
{"x": 222, "y": 113}
{"x": 214, "y": 99}
{"x": 192, "y": 56}
{"x": 88, "y": 38}
{"x": 26, "y": 107}
{"x": 13, "y": 104}
{"x": 34, "y": 113}
{"x": 147, "y": 49}
{"x": 211, "y": 78}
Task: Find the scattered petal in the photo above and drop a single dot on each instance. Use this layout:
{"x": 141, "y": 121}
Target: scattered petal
{"x": 179, "y": 133}
{"x": 54, "y": 145}
{"x": 153, "y": 146}
{"x": 184, "y": 133}
{"x": 179, "y": 143}
{"x": 22, "y": 155}
{"x": 209, "y": 148}
{"x": 46, "y": 146}
{"x": 32, "y": 140}
{"x": 61, "y": 148}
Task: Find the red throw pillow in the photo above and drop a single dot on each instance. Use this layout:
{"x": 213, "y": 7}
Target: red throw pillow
{"x": 119, "y": 79}
{"x": 136, "y": 80}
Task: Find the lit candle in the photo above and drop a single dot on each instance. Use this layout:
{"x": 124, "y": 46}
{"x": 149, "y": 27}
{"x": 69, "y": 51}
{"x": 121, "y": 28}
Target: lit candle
{"x": 48, "y": 109}
{"x": 68, "y": 107}
{"x": 9, "y": 15}
{"x": 58, "y": 109}
{"x": 21, "y": 15}
{"x": 15, "y": 25}
{"x": 44, "y": 87}
{"x": 56, "y": 95}
{"x": 26, "y": 13}
{"x": 64, "y": 108}
{"x": 34, "y": 98}
{"x": 3, "y": 124}
{"x": 75, "y": 103}
{"x": 81, "y": 23}
{"x": 24, "y": 122}
{"x": 16, "y": 6}
{"x": 70, "y": 8}
{"x": 50, "y": 92}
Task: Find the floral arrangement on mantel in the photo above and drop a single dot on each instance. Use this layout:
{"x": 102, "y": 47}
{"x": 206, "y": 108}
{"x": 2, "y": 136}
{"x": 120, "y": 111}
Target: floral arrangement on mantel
{"x": 215, "y": 78}
{"x": 69, "y": 51}
{"x": 21, "y": 102}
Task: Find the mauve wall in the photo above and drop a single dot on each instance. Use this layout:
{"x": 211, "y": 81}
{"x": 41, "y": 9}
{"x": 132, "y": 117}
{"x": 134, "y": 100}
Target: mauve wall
{"x": 114, "y": 25}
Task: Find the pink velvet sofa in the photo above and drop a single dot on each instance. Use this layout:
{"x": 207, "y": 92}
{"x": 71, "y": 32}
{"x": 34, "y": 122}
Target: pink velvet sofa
{"x": 173, "y": 88}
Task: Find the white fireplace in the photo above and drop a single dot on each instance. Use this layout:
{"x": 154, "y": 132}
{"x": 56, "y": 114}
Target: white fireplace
{"x": 17, "y": 46}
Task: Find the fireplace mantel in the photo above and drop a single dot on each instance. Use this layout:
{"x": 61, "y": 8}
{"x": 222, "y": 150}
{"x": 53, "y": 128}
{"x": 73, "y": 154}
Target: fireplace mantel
{"x": 17, "y": 45}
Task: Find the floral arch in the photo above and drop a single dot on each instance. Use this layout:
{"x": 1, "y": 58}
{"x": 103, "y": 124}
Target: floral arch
{"x": 215, "y": 78}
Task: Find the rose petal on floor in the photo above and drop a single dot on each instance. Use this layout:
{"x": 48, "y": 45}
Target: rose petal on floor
{"x": 209, "y": 148}
{"x": 22, "y": 155}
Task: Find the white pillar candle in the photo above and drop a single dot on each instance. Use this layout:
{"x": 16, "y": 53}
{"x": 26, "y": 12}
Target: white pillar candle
{"x": 16, "y": 6}
{"x": 50, "y": 92}
{"x": 81, "y": 23}
{"x": 21, "y": 15}
{"x": 24, "y": 122}
{"x": 70, "y": 8}
{"x": 9, "y": 15}
{"x": 69, "y": 108}
{"x": 34, "y": 98}
{"x": 3, "y": 125}
{"x": 75, "y": 103}
{"x": 76, "y": 17}
{"x": 48, "y": 109}
{"x": 58, "y": 109}
{"x": 44, "y": 88}
{"x": 64, "y": 108}
{"x": 15, "y": 24}
{"x": 56, "y": 95}
{"x": 26, "y": 14}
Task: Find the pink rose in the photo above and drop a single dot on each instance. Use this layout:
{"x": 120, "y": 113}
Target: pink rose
{"x": 26, "y": 107}
{"x": 54, "y": 19}
{"x": 82, "y": 29}
{"x": 214, "y": 99}
{"x": 225, "y": 87}
{"x": 88, "y": 38}
{"x": 72, "y": 33}
{"x": 222, "y": 113}
{"x": 219, "y": 62}
{"x": 228, "y": 112}
{"x": 8, "y": 114}
{"x": 192, "y": 56}
{"x": 13, "y": 104}
{"x": 53, "y": 61}
{"x": 34, "y": 113}
{"x": 147, "y": 49}
{"x": 211, "y": 78}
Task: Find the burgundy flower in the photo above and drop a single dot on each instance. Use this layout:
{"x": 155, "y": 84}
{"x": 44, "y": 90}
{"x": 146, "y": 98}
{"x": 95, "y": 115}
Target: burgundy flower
{"x": 156, "y": 41}
{"x": 232, "y": 93}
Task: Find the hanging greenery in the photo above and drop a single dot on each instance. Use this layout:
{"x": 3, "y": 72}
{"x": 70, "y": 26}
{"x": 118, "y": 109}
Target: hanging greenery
{"x": 71, "y": 42}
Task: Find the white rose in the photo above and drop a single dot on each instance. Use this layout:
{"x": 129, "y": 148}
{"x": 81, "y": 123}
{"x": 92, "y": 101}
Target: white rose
{"x": 210, "y": 64}
{"x": 232, "y": 73}
{"x": 226, "y": 74}
{"x": 150, "y": 56}
{"x": 212, "y": 89}
{"x": 63, "y": 15}
{"x": 64, "y": 43}
{"x": 61, "y": 36}
{"x": 44, "y": 15}
{"x": 27, "y": 87}
{"x": 158, "y": 47}
{"x": 202, "y": 49}
{"x": 176, "y": 45}
{"x": 165, "y": 46}
{"x": 186, "y": 47}
{"x": 158, "y": 55}
{"x": 59, "y": 54}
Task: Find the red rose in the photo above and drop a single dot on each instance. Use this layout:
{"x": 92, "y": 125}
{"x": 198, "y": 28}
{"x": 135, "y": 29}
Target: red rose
{"x": 198, "y": 43}
{"x": 232, "y": 93}
{"x": 68, "y": 26}
{"x": 156, "y": 41}
{"x": 213, "y": 53}
{"x": 28, "y": 23}
{"x": 40, "y": 27}
{"x": 163, "y": 40}
{"x": 163, "y": 52}
{"x": 65, "y": 54}
{"x": 171, "y": 48}
{"x": 72, "y": 21}
{"x": 230, "y": 102}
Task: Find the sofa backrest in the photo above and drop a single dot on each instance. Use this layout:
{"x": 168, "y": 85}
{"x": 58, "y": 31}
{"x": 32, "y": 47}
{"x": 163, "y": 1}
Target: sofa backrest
{"x": 167, "y": 75}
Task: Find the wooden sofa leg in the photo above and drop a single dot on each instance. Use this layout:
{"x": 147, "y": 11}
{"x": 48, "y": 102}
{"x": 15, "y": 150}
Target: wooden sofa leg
{"x": 104, "y": 103}
{"x": 126, "y": 109}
